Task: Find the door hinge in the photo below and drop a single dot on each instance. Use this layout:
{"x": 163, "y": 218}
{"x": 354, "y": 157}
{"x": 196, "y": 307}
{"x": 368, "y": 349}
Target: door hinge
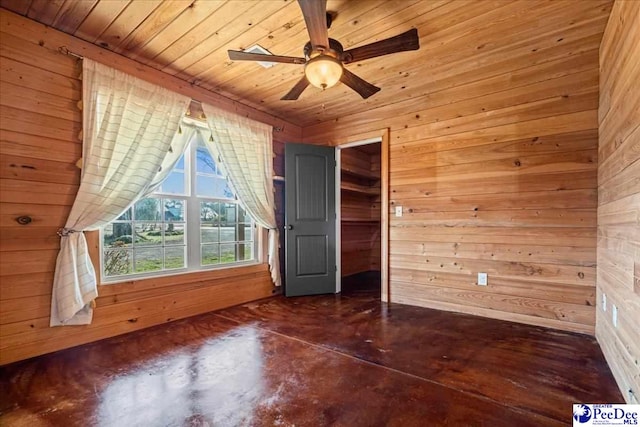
{"x": 336, "y": 268}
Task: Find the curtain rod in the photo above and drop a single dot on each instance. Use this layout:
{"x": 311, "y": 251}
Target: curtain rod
{"x": 65, "y": 51}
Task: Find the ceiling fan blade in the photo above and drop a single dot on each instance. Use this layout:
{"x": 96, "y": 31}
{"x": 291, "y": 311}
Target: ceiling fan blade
{"x": 315, "y": 16}
{"x": 297, "y": 90}
{"x": 238, "y": 55}
{"x": 408, "y": 40}
{"x": 364, "y": 88}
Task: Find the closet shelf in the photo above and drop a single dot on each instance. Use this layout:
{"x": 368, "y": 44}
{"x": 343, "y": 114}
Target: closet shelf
{"x": 361, "y": 189}
{"x": 361, "y": 221}
{"x": 361, "y": 173}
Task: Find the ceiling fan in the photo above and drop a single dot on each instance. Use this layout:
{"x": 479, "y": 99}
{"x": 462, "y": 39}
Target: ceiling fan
{"x": 324, "y": 58}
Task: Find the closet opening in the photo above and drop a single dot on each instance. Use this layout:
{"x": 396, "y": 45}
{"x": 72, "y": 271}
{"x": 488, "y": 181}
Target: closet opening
{"x": 359, "y": 217}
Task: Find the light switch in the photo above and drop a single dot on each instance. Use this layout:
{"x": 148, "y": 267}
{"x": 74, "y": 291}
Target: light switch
{"x": 398, "y": 210}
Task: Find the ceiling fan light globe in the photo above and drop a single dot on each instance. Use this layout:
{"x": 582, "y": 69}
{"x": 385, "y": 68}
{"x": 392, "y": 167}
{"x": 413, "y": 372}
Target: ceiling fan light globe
{"x": 323, "y": 71}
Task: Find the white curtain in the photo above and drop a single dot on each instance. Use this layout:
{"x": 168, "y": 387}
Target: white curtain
{"x": 128, "y": 127}
{"x": 180, "y": 141}
{"x": 245, "y": 149}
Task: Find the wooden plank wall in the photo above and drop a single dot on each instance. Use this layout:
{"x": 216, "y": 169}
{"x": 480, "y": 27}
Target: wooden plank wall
{"x": 496, "y": 172}
{"x": 39, "y": 145}
{"x": 618, "y": 275}
{"x": 360, "y": 211}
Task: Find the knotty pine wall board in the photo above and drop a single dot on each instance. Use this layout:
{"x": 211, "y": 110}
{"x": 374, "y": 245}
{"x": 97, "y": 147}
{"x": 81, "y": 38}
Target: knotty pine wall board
{"x": 618, "y": 253}
{"x": 40, "y": 125}
{"x": 494, "y": 161}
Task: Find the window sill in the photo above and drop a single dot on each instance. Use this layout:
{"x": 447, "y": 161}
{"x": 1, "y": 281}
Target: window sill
{"x": 182, "y": 278}
{"x": 174, "y": 273}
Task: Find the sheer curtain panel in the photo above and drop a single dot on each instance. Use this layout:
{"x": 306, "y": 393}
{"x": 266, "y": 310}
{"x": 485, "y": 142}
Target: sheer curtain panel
{"x": 245, "y": 149}
{"x": 128, "y": 128}
{"x": 176, "y": 149}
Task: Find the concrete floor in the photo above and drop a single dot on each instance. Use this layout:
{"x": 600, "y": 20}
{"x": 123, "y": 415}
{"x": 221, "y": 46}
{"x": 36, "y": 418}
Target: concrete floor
{"x": 329, "y": 360}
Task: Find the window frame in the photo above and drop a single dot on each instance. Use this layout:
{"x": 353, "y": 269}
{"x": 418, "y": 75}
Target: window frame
{"x": 192, "y": 223}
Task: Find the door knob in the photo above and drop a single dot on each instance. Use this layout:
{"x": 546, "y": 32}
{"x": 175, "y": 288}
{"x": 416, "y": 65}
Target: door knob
{"x": 288, "y": 227}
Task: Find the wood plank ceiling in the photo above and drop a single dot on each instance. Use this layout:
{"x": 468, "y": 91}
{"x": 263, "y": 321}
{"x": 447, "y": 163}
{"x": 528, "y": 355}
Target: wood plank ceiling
{"x": 190, "y": 39}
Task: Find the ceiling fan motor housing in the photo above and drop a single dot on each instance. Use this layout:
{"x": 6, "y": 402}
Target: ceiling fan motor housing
{"x": 335, "y": 50}
{"x": 324, "y": 65}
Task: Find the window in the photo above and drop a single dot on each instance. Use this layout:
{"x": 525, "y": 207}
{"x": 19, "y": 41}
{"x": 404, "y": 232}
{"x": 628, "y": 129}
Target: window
{"x": 192, "y": 222}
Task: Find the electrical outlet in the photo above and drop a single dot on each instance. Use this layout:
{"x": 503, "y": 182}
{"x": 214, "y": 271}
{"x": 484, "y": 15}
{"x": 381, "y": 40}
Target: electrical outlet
{"x": 482, "y": 279}
{"x": 614, "y": 315}
{"x": 604, "y": 302}
{"x": 398, "y": 210}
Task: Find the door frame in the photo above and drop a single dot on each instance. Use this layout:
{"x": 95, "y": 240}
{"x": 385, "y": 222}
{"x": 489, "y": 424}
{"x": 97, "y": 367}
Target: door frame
{"x": 381, "y": 137}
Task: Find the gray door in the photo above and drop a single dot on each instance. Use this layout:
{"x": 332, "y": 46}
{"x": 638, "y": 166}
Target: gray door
{"x": 310, "y": 220}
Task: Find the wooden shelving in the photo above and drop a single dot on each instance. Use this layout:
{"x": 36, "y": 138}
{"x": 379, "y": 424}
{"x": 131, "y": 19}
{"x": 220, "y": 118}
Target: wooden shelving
{"x": 360, "y": 173}
{"x": 361, "y": 221}
{"x": 360, "y": 210}
{"x": 358, "y": 188}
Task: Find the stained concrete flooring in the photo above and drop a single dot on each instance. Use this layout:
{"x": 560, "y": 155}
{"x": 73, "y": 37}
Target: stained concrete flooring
{"x": 332, "y": 360}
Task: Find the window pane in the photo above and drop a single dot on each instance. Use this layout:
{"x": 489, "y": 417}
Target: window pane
{"x": 174, "y": 234}
{"x": 117, "y": 261}
{"x": 174, "y": 257}
{"x": 173, "y": 184}
{"x": 243, "y": 230}
{"x": 147, "y": 210}
{"x": 210, "y": 213}
{"x": 148, "y": 259}
{"x": 151, "y": 236}
{"x": 227, "y": 233}
{"x": 173, "y": 210}
{"x": 248, "y": 232}
{"x": 209, "y": 233}
{"x": 126, "y": 216}
{"x": 179, "y": 164}
{"x": 147, "y": 234}
{"x": 107, "y": 235}
{"x": 210, "y": 254}
{"x": 228, "y": 213}
{"x": 246, "y": 249}
{"x": 228, "y": 253}
{"x": 121, "y": 234}
{"x": 213, "y": 186}
{"x": 243, "y": 216}
{"x": 204, "y": 161}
